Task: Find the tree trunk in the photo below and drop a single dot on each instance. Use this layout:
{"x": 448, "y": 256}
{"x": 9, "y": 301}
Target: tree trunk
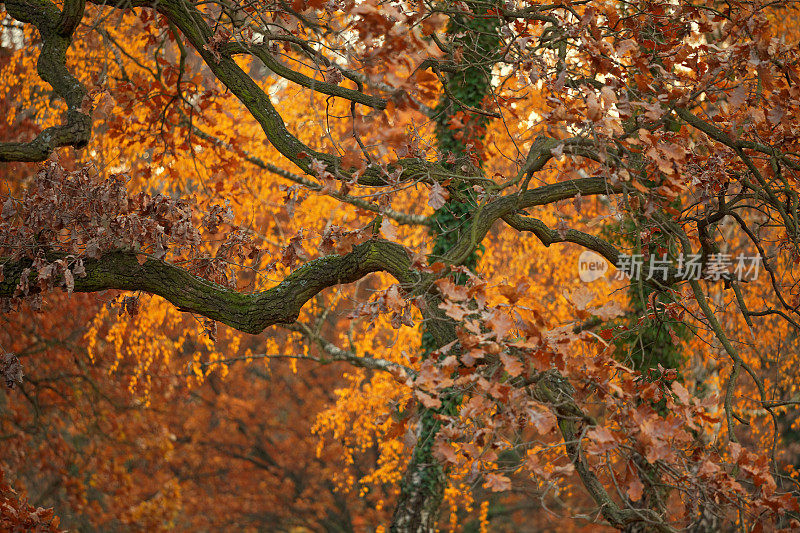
{"x": 425, "y": 479}
{"x": 423, "y": 484}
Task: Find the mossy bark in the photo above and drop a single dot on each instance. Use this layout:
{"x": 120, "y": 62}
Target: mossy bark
{"x": 250, "y": 313}
{"x": 55, "y": 28}
{"x": 458, "y": 237}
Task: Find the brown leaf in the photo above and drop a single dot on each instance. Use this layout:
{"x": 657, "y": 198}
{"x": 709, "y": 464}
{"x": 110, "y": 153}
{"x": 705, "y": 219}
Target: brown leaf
{"x": 451, "y": 291}
{"x": 737, "y": 97}
{"x": 10, "y": 370}
{"x": 581, "y": 297}
{"x": 428, "y": 401}
{"x": 500, "y": 324}
{"x": 438, "y": 196}
{"x": 454, "y": 310}
{"x": 79, "y": 270}
{"x": 393, "y": 299}
{"x": 775, "y": 115}
{"x": 131, "y": 305}
{"x": 497, "y": 482}
{"x": 593, "y": 110}
{"x": 444, "y": 452}
{"x": 514, "y": 292}
{"x": 608, "y": 311}
{"x": 353, "y": 158}
{"x": 602, "y": 439}
{"x": 388, "y": 229}
{"x": 627, "y": 46}
{"x": 69, "y": 280}
{"x": 681, "y": 392}
{"x": 511, "y": 364}
{"x": 544, "y": 421}
{"x": 608, "y": 96}
{"x": 397, "y": 429}
{"x": 635, "y": 490}
{"x": 8, "y": 209}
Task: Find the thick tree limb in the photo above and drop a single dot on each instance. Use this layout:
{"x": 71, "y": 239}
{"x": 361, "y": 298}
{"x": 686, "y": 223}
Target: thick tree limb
{"x": 250, "y": 313}
{"x": 55, "y": 28}
{"x": 489, "y": 213}
{"x": 191, "y": 22}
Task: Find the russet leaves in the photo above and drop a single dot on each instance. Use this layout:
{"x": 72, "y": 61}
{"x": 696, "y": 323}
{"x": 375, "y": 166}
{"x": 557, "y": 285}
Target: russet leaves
{"x": 276, "y": 165}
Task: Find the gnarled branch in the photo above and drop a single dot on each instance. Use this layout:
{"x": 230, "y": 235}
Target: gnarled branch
{"x": 56, "y": 29}
{"x": 250, "y": 313}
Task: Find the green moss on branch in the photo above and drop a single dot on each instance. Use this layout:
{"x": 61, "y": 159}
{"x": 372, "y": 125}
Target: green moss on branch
{"x": 250, "y": 313}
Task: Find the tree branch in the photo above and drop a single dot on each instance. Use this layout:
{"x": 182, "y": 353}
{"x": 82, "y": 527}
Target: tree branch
{"x": 250, "y": 313}
{"x": 553, "y": 389}
{"x": 262, "y": 52}
{"x": 56, "y": 29}
{"x": 190, "y": 21}
{"x": 398, "y": 216}
{"x": 549, "y": 236}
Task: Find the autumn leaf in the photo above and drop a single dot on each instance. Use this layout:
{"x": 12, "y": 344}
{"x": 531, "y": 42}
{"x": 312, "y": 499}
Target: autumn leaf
{"x": 635, "y": 490}
{"x": 626, "y": 47}
{"x": 69, "y": 280}
{"x": 8, "y": 209}
{"x": 444, "y": 452}
{"x": 497, "y": 482}
{"x": 608, "y": 311}
{"x": 514, "y": 293}
{"x": 581, "y": 297}
{"x": 500, "y": 323}
{"x": 608, "y": 96}
{"x": 452, "y": 291}
{"x": 10, "y": 370}
{"x": 593, "y": 110}
{"x": 352, "y": 159}
{"x": 680, "y": 391}
{"x": 738, "y": 97}
{"x": 602, "y": 440}
{"x": 437, "y": 196}
{"x": 427, "y": 400}
{"x": 397, "y": 429}
{"x": 543, "y": 420}
{"x": 388, "y": 229}
{"x": 454, "y": 310}
{"x": 775, "y": 114}
{"x": 79, "y": 270}
{"x": 511, "y": 365}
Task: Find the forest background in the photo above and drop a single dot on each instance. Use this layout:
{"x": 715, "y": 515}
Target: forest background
{"x": 313, "y": 265}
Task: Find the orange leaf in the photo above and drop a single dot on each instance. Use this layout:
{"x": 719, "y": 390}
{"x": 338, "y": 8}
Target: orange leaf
{"x": 635, "y": 490}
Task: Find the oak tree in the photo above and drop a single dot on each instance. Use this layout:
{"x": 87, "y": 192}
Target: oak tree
{"x": 402, "y": 190}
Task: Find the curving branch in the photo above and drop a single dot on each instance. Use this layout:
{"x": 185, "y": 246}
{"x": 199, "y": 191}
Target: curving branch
{"x": 261, "y": 51}
{"x": 551, "y": 388}
{"x": 192, "y": 24}
{"x": 487, "y": 214}
{"x": 71, "y": 16}
{"x": 56, "y": 28}
{"x": 549, "y": 236}
{"x": 250, "y": 313}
